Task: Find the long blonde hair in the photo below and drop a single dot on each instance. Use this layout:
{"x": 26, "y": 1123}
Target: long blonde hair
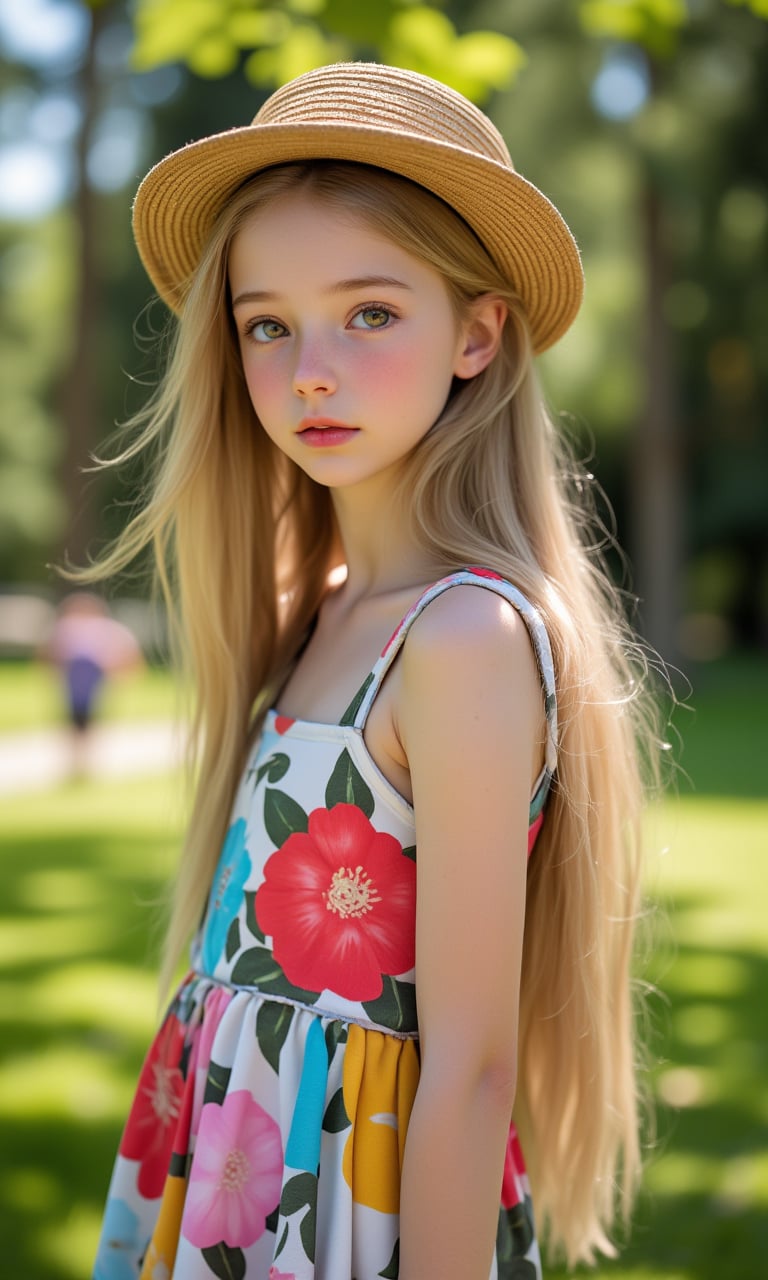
{"x": 244, "y": 543}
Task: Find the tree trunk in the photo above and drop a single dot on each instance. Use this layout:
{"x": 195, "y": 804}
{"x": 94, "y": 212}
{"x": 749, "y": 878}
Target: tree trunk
{"x": 657, "y": 493}
{"x": 79, "y": 398}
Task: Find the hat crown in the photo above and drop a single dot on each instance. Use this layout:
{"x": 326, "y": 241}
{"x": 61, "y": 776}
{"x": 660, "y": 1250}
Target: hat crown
{"x": 365, "y": 95}
{"x": 399, "y": 121}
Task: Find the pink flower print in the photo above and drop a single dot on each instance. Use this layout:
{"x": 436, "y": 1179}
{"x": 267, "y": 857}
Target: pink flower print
{"x": 234, "y": 1181}
{"x": 274, "y": 1274}
{"x": 216, "y": 1003}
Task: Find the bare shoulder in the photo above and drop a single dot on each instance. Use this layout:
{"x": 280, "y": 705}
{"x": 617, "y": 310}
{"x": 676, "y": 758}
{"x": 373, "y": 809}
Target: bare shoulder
{"x": 469, "y": 715}
{"x": 469, "y": 625}
{"x": 470, "y": 652}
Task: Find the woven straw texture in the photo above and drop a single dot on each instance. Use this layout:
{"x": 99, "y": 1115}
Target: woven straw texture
{"x": 393, "y": 119}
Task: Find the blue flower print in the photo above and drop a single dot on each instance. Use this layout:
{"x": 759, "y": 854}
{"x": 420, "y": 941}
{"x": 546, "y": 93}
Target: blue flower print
{"x": 227, "y": 894}
{"x": 120, "y": 1248}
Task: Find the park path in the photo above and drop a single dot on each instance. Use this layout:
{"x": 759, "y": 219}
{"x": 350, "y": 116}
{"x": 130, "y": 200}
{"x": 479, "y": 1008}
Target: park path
{"x": 33, "y": 760}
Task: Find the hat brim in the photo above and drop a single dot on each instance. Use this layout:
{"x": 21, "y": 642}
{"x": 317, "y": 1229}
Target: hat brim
{"x": 178, "y": 202}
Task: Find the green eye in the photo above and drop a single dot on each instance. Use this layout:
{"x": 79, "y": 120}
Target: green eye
{"x": 267, "y": 330}
{"x": 374, "y": 317}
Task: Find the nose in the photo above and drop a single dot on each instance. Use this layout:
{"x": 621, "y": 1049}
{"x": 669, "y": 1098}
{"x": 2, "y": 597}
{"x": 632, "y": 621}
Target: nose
{"x": 313, "y": 372}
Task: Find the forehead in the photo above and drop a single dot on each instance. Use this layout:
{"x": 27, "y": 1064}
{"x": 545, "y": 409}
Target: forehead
{"x": 297, "y": 231}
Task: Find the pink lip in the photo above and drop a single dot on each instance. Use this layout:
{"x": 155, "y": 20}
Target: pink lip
{"x": 325, "y": 432}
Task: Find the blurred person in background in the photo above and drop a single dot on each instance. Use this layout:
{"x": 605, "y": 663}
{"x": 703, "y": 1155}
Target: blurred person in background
{"x": 86, "y": 645}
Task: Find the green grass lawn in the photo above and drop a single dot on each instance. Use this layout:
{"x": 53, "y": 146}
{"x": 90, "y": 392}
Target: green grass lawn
{"x": 31, "y": 696}
{"x": 82, "y": 865}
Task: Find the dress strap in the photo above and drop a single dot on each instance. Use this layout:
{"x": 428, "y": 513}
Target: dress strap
{"x": 357, "y": 712}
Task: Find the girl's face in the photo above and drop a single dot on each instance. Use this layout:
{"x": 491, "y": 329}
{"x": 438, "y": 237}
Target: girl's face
{"x": 349, "y": 344}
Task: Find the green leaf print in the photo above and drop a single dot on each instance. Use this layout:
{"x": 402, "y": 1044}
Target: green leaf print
{"x": 336, "y": 1119}
{"x": 272, "y": 769}
{"x": 410, "y": 852}
{"x": 392, "y": 1269}
{"x": 357, "y": 701}
{"x": 298, "y": 1191}
{"x": 518, "y": 1269}
{"x": 257, "y": 967}
{"x": 225, "y": 1262}
{"x": 335, "y": 1034}
{"x": 233, "y": 939}
{"x": 282, "y": 816}
{"x": 308, "y": 1229}
{"x": 216, "y": 1083}
{"x": 520, "y": 1223}
{"x": 346, "y": 786}
{"x": 271, "y": 1220}
{"x": 395, "y": 1007}
{"x": 283, "y": 1242}
{"x": 514, "y": 1237}
{"x": 250, "y": 915}
{"x": 272, "y": 1024}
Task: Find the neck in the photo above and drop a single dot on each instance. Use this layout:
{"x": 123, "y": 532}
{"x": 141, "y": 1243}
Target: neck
{"x": 379, "y": 551}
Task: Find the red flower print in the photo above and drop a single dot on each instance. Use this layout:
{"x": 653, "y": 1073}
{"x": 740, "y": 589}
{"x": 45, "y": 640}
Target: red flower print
{"x": 512, "y": 1191}
{"x": 391, "y": 639}
{"x": 339, "y": 901}
{"x": 484, "y": 573}
{"x": 151, "y": 1125}
{"x": 283, "y": 723}
{"x": 533, "y": 832}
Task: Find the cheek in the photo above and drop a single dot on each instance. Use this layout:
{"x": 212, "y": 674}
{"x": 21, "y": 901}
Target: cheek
{"x": 263, "y": 381}
{"x": 411, "y": 374}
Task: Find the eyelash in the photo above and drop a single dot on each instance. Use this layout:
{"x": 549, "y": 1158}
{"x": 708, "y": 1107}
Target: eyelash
{"x": 253, "y": 325}
{"x": 376, "y": 306}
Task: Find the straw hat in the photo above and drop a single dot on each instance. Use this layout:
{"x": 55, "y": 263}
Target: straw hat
{"x": 392, "y": 119}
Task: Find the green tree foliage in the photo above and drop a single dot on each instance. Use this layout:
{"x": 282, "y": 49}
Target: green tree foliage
{"x": 758, "y": 7}
{"x": 654, "y": 24}
{"x": 695, "y": 141}
{"x": 277, "y": 42}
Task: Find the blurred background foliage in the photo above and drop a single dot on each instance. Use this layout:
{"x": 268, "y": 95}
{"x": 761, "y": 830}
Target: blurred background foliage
{"x": 646, "y": 121}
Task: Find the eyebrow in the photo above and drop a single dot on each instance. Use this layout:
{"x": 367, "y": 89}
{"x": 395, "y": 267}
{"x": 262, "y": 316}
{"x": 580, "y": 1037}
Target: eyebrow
{"x": 353, "y": 285}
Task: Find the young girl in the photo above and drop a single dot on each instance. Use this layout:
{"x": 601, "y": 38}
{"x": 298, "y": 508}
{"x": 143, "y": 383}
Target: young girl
{"x": 411, "y": 868}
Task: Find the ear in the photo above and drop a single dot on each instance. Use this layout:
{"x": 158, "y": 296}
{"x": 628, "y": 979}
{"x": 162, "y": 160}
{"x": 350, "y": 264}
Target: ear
{"x": 480, "y": 335}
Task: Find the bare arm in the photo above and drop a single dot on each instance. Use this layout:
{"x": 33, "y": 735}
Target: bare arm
{"x": 471, "y": 725}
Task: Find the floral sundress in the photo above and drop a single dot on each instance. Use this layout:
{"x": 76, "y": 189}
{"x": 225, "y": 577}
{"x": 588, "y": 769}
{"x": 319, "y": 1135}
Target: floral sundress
{"x": 266, "y": 1137}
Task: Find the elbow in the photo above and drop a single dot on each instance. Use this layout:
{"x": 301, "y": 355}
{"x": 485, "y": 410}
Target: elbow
{"x": 498, "y": 1084}
{"x": 466, "y": 1079}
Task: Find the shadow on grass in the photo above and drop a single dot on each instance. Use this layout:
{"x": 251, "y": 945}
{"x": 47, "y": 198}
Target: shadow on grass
{"x": 77, "y": 992}
{"x": 77, "y": 988}
{"x": 701, "y": 1215}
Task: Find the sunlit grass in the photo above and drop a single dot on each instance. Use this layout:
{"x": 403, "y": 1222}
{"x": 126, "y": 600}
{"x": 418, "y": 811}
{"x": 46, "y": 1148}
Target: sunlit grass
{"x": 84, "y": 865}
{"x": 717, "y": 860}
{"x": 31, "y": 696}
